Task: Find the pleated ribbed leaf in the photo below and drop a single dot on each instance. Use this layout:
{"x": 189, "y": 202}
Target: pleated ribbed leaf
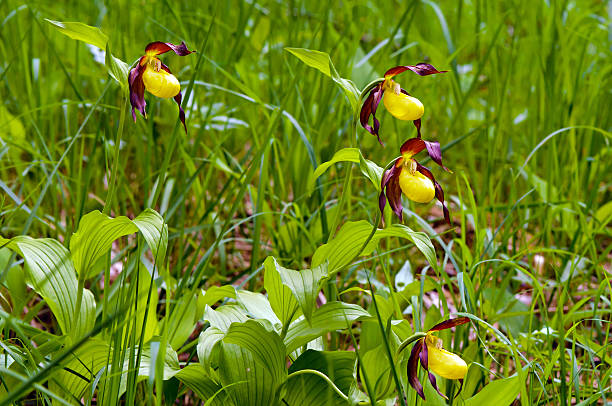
{"x": 329, "y": 317}
{"x": 282, "y": 300}
{"x": 258, "y": 306}
{"x": 206, "y": 343}
{"x": 322, "y": 62}
{"x": 195, "y": 378}
{"x": 347, "y": 244}
{"x": 310, "y": 389}
{"x": 304, "y": 284}
{"x": 501, "y": 392}
{"x": 263, "y": 342}
{"x": 223, "y": 316}
{"x": 244, "y": 379}
{"x": 51, "y": 273}
{"x": 97, "y": 232}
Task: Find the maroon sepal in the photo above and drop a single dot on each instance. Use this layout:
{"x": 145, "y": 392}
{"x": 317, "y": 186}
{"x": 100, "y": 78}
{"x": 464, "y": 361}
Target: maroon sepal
{"x": 417, "y": 124}
{"x": 435, "y": 153}
{"x": 460, "y": 387}
{"x": 440, "y": 196}
{"x": 391, "y": 188}
{"x": 412, "y": 146}
{"x": 425, "y": 364}
{"x": 415, "y": 145}
{"x": 178, "y": 99}
{"x": 422, "y": 69}
{"x": 446, "y": 324}
{"x": 369, "y": 109}
{"x": 158, "y": 48}
{"x": 413, "y": 365}
{"x": 137, "y": 89}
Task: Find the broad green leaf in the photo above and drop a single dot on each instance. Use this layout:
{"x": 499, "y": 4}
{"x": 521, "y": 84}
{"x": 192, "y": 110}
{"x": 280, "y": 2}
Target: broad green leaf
{"x": 303, "y": 284}
{"x": 311, "y": 389}
{"x": 97, "y": 232}
{"x": 282, "y": 300}
{"x": 81, "y": 367}
{"x": 433, "y": 398}
{"x": 501, "y": 392}
{"x": 257, "y": 305}
{"x": 206, "y": 343}
{"x": 331, "y": 316}
{"x": 371, "y": 171}
{"x": 81, "y": 32}
{"x": 118, "y": 69}
{"x": 346, "y": 246}
{"x": 223, "y": 316}
{"x": 51, "y": 273}
{"x": 15, "y": 282}
{"x": 378, "y": 370}
{"x": 264, "y": 343}
{"x": 244, "y": 379}
{"x": 216, "y": 293}
{"x": 368, "y": 168}
{"x": 322, "y": 62}
{"x": 343, "y": 155}
{"x": 195, "y": 378}
{"x": 181, "y": 321}
{"x": 155, "y": 232}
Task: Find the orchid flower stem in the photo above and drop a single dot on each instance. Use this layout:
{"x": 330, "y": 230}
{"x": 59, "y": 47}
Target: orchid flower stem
{"x": 112, "y": 184}
{"x": 410, "y": 340}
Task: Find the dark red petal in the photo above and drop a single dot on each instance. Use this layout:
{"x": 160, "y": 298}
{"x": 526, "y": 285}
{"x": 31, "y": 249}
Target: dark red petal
{"x": 422, "y": 69}
{"x": 432, "y": 379}
{"x": 387, "y": 175}
{"x": 366, "y": 112}
{"x": 390, "y": 172}
{"x": 413, "y": 365}
{"x": 137, "y": 90}
{"x": 412, "y": 146}
{"x": 446, "y": 324}
{"x": 424, "y": 356}
{"x": 440, "y": 197}
{"x": 369, "y": 109}
{"x": 394, "y": 195}
{"x": 158, "y": 48}
{"x": 417, "y": 124}
{"x": 433, "y": 149}
{"x": 460, "y": 387}
{"x": 178, "y": 98}
{"x": 377, "y": 97}
{"x": 382, "y": 202}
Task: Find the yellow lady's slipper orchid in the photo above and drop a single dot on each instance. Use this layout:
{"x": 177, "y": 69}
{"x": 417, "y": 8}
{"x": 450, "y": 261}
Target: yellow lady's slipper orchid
{"x": 428, "y": 350}
{"x": 152, "y": 75}
{"x": 401, "y": 105}
{"x": 397, "y": 101}
{"x": 444, "y": 363}
{"x": 409, "y": 177}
